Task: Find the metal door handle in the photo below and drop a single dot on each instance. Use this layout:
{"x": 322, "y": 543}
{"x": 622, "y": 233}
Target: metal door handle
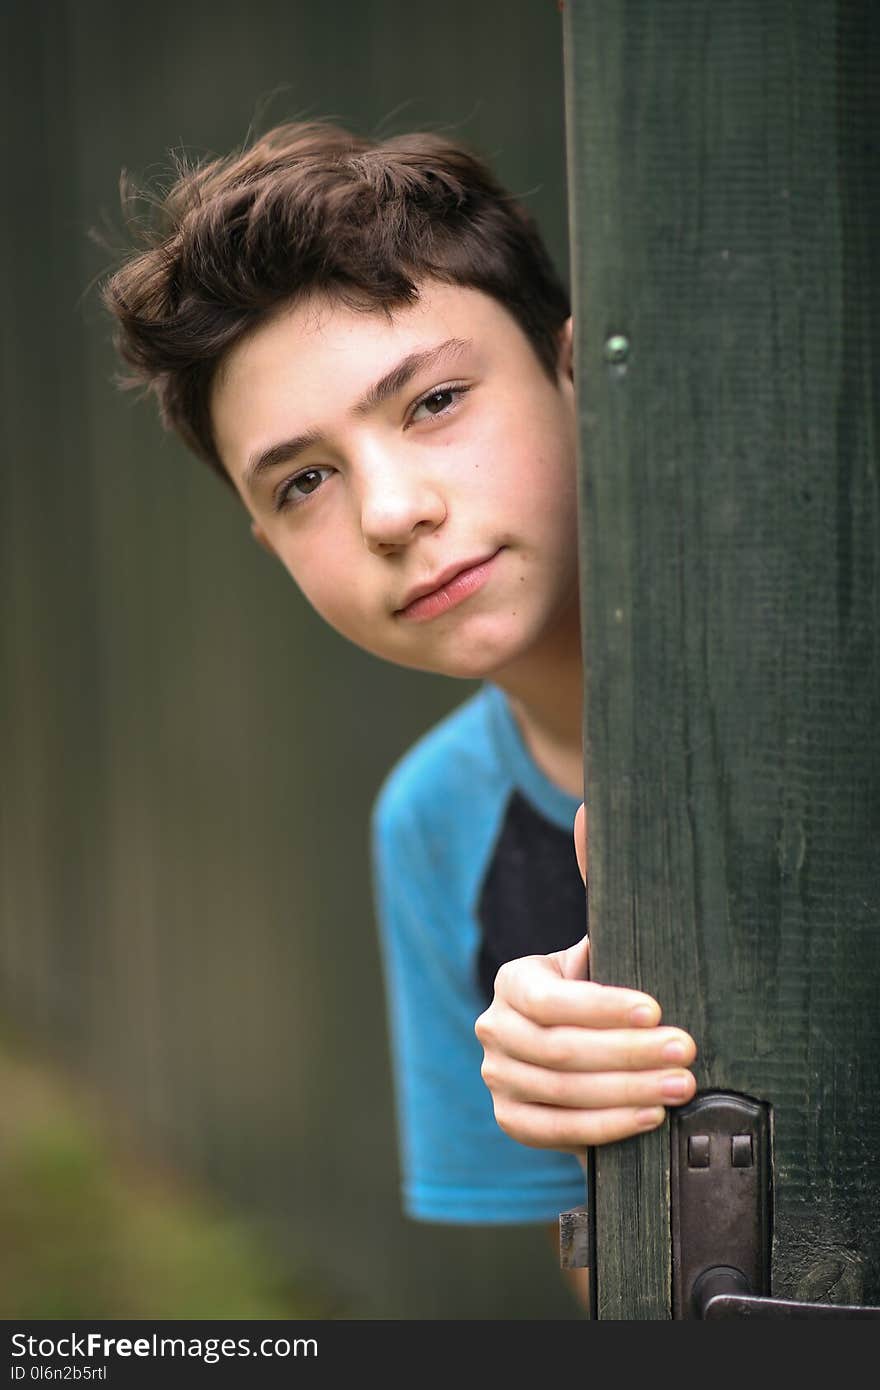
{"x": 721, "y": 1171}
{"x": 724, "y": 1292}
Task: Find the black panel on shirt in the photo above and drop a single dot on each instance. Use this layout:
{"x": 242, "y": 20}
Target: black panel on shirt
{"x": 533, "y": 899}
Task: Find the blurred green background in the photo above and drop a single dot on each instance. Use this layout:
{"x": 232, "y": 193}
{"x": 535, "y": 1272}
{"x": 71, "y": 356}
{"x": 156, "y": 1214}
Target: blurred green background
{"x": 197, "y": 1114}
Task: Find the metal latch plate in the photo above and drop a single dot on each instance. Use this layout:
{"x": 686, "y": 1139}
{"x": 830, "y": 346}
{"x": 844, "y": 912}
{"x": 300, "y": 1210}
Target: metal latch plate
{"x": 720, "y": 1176}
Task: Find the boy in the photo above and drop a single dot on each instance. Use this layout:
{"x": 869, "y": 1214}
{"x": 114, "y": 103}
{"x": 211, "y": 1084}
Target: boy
{"x": 369, "y": 343}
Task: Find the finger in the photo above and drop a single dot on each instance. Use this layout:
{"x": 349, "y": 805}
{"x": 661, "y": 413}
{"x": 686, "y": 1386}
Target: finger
{"x": 580, "y": 839}
{"x": 534, "y": 986}
{"x": 563, "y": 1048}
{"x": 603, "y": 1090}
{"x": 573, "y": 961}
{"x": 570, "y": 1131}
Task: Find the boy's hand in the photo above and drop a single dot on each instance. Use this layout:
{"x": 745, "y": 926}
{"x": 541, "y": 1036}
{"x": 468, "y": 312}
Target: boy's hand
{"x": 571, "y": 1063}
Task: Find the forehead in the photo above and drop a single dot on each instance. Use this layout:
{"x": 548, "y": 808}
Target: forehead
{"x": 305, "y": 367}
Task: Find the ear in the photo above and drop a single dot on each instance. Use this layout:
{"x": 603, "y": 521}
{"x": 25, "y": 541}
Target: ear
{"x": 566, "y": 349}
{"x": 262, "y": 539}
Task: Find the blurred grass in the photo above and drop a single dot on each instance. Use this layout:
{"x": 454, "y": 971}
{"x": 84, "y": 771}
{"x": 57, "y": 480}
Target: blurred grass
{"x": 88, "y": 1229}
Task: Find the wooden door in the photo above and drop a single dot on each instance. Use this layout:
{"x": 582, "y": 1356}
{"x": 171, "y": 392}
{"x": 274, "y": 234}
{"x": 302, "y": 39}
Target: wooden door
{"x": 725, "y": 196}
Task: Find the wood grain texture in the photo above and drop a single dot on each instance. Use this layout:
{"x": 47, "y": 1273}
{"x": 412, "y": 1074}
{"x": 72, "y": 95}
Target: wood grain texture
{"x": 725, "y": 196}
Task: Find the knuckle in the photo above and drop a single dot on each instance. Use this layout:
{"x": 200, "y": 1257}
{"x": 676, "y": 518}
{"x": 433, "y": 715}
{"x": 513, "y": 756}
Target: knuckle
{"x": 489, "y": 1073}
{"x": 556, "y": 1088}
{"x": 503, "y": 1119}
{"x": 608, "y": 1127}
{"x": 516, "y": 1121}
{"x": 487, "y": 1027}
{"x": 637, "y": 1055}
{"x": 503, "y": 976}
{"x": 534, "y": 996}
{"x": 557, "y": 1050}
{"x": 564, "y": 1130}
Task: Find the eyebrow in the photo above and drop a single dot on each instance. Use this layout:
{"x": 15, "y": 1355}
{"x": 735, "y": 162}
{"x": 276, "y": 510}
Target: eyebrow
{"x": 387, "y": 386}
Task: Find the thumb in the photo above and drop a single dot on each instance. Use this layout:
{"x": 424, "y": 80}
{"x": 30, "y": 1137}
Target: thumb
{"x": 573, "y": 963}
{"x": 580, "y": 839}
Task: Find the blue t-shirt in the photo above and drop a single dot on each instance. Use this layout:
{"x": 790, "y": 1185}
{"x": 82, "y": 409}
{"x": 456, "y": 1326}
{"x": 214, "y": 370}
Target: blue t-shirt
{"x": 474, "y": 865}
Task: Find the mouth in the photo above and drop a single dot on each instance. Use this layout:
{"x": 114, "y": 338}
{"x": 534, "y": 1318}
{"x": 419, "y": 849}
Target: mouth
{"x": 451, "y": 587}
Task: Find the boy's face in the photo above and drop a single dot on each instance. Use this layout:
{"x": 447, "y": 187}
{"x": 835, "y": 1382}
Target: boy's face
{"x": 381, "y": 456}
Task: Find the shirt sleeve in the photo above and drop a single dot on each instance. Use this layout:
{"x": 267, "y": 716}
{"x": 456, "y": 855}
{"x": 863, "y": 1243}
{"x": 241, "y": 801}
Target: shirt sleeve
{"x": 456, "y": 1164}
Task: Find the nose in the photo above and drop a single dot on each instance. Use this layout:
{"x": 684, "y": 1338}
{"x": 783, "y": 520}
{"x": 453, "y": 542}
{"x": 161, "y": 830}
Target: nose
{"x": 397, "y": 502}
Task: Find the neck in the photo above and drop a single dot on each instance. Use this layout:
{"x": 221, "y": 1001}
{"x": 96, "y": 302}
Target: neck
{"x": 545, "y": 691}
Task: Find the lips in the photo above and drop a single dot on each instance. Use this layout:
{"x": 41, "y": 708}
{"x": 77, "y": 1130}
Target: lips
{"x": 448, "y": 588}
{"x": 442, "y": 579}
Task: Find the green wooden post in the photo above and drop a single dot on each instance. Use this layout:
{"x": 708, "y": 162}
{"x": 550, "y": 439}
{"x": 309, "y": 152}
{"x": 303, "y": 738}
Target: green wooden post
{"x": 725, "y": 199}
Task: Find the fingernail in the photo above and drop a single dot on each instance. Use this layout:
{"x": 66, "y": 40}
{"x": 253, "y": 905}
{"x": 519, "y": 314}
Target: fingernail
{"x": 675, "y": 1086}
{"x": 642, "y": 1014}
{"x": 650, "y": 1119}
{"x": 674, "y": 1051}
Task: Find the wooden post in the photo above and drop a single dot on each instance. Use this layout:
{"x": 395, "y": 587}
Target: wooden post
{"x": 725, "y": 206}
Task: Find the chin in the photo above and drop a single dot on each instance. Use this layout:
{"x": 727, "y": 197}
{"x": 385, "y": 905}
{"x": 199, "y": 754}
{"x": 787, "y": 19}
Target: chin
{"x": 475, "y": 650}
{"x": 463, "y": 670}
{"x": 477, "y": 660}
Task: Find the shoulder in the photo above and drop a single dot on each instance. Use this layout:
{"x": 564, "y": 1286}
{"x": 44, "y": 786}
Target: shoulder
{"x": 453, "y": 763}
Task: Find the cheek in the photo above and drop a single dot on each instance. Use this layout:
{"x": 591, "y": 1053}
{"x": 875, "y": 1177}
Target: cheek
{"x": 318, "y": 579}
{"x": 534, "y": 461}
{"x": 330, "y": 588}
{"x": 555, "y": 518}
{"x": 328, "y": 601}
{"x": 546, "y": 486}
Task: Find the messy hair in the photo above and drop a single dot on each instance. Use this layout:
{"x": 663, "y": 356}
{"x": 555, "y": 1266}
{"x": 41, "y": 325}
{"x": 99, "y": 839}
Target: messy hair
{"x": 310, "y": 207}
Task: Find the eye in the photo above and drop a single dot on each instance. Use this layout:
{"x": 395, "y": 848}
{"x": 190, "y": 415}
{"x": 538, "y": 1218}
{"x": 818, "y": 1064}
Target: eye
{"x": 298, "y": 489}
{"x": 443, "y": 400}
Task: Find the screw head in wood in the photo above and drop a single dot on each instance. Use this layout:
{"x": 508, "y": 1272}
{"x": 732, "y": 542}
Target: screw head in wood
{"x": 616, "y": 350}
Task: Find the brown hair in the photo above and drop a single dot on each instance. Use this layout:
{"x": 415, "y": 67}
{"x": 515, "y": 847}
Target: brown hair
{"x": 310, "y": 207}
